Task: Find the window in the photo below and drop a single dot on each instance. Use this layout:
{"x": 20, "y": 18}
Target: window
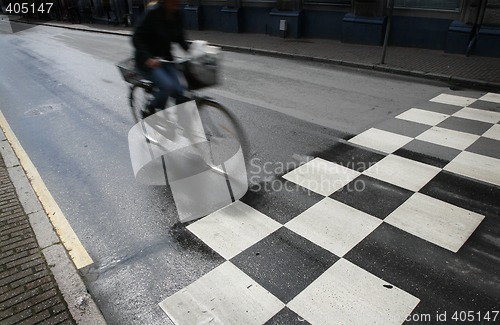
{"x": 429, "y": 4}
{"x": 335, "y": 2}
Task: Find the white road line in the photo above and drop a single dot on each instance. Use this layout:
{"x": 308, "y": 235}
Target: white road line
{"x": 68, "y": 237}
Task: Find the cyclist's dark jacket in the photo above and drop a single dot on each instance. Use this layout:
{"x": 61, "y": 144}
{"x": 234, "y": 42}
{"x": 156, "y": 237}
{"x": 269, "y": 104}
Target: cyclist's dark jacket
{"x": 155, "y": 33}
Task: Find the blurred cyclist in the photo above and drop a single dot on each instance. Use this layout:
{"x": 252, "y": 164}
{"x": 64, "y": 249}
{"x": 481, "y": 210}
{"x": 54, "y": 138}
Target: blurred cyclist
{"x": 161, "y": 25}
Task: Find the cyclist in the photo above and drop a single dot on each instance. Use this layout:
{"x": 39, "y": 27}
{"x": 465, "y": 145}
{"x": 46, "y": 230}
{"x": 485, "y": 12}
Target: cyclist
{"x": 160, "y": 26}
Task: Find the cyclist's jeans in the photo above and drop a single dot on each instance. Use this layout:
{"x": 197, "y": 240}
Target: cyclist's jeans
{"x": 166, "y": 80}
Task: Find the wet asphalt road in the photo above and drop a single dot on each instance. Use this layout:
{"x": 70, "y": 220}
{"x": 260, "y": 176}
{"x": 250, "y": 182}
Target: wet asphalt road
{"x": 67, "y": 104}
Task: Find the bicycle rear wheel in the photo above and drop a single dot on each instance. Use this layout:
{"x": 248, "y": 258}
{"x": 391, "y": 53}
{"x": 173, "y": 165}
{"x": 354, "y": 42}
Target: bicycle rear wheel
{"x": 223, "y": 132}
{"x": 140, "y": 97}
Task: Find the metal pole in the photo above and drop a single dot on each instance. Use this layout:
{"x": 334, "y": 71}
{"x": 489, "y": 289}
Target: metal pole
{"x": 481, "y": 10}
{"x": 387, "y": 30}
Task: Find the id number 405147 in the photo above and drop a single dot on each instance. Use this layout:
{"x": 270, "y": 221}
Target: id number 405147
{"x": 475, "y": 316}
{"x": 25, "y": 7}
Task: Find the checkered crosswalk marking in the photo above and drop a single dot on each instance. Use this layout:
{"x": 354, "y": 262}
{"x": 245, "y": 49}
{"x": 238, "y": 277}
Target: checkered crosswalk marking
{"x": 373, "y": 227}
{"x": 402, "y": 172}
{"x": 491, "y": 97}
{"x": 233, "y": 229}
{"x": 493, "y": 132}
{"x": 478, "y": 115}
{"x": 333, "y": 225}
{"x": 448, "y": 138}
{"x": 344, "y": 290}
{"x": 436, "y": 221}
{"x": 476, "y": 166}
{"x": 453, "y": 100}
{"x": 381, "y": 140}
{"x": 322, "y": 176}
{"x": 422, "y": 116}
{"x": 223, "y": 296}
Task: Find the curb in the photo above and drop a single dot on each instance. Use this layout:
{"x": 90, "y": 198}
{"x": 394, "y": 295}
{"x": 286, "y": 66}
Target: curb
{"x": 458, "y": 81}
{"x": 80, "y": 303}
{"x": 466, "y": 82}
{"x": 90, "y": 29}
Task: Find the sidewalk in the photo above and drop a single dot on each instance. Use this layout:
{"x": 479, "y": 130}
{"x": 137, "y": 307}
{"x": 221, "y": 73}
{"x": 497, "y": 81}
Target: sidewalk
{"x": 473, "y": 71}
{"x": 38, "y": 281}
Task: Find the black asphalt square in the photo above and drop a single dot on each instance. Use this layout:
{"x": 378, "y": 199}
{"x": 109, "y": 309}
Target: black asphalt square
{"x": 465, "y": 125}
{"x": 439, "y": 107}
{"x": 464, "y": 92}
{"x": 372, "y": 196}
{"x": 284, "y": 263}
{"x": 427, "y": 153}
{"x": 486, "y": 147}
{"x": 350, "y": 156}
{"x": 403, "y": 127}
{"x": 286, "y": 317}
{"x": 485, "y": 105}
{"x": 464, "y": 192}
{"x": 419, "y": 267}
{"x": 281, "y": 200}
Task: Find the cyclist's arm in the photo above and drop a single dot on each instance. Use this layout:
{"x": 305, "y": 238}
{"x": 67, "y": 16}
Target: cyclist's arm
{"x": 140, "y": 38}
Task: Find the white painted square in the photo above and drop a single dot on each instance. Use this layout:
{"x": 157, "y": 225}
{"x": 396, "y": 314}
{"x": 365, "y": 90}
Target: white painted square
{"x": 453, "y": 100}
{"x": 491, "y": 97}
{"x": 483, "y": 168}
{"x": 334, "y": 226}
{"x": 321, "y": 176}
{"x": 448, "y": 138}
{"x": 493, "y": 132}
{"x": 231, "y": 230}
{"x": 380, "y": 140}
{"x": 438, "y": 222}
{"x": 406, "y": 173}
{"x": 422, "y": 116}
{"x": 478, "y": 115}
{"x": 225, "y": 295}
{"x": 347, "y": 294}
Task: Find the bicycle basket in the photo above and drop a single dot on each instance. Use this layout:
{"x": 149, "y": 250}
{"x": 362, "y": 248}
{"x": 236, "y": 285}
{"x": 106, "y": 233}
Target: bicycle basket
{"x": 129, "y": 72}
{"x": 202, "y": 70}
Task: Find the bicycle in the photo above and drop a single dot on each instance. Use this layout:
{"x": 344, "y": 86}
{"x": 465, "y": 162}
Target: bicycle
{"x": 222, "y": 130}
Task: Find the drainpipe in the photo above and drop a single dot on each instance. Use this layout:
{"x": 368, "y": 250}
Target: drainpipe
{"x": 387, "y": 30}
{"x": 474, "y": 34}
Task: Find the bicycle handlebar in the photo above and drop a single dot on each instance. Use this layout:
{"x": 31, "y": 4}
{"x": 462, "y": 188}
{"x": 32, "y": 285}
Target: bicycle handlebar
{"x": 174, "y": 61}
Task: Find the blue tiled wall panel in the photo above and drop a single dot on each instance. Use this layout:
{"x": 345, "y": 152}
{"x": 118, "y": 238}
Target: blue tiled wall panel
{"x": 430, "y": 33}
{"x": 232, "y": 20}
{"x": 363, "y": 30}
{"x": 257, "y": 20}
{"x": 212, "y": 18}
{"x": 322, "y": 24}
{"x": 293, "y": 20}
{"x": 192, "y": 18}
{"x": 487, "y": 43}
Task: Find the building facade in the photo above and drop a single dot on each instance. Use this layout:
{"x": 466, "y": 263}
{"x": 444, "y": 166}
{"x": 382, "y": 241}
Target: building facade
{"x": 454, "y": 26}
{"x": 447, "y": 25}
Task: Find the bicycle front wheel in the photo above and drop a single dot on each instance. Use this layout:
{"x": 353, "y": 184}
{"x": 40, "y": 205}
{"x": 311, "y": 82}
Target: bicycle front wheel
{"x": 223, "y": 133}
{"x": 140, "y": 97}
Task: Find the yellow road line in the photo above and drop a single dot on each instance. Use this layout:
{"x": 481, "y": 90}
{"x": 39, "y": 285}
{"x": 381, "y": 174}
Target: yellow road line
{"x": 68, "y": 237}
